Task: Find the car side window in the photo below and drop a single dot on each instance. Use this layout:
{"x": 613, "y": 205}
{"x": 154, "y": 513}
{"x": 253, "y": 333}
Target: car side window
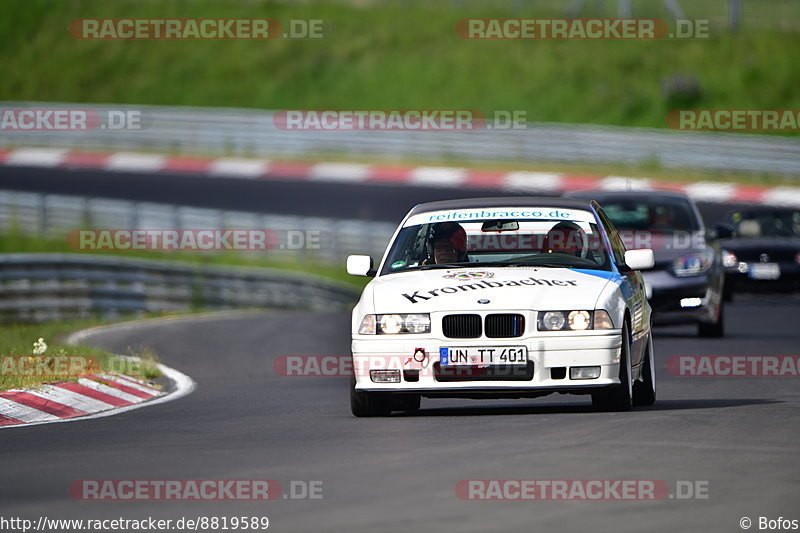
{"x": 617, "y": 245}
{"x": 408, "y": 248}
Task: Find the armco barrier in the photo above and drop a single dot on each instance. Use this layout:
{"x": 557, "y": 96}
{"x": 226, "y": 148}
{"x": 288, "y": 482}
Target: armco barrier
{"x": 251, "y": 132}
{"x": 39, "y": 287}
{"x": 54, "y": 215}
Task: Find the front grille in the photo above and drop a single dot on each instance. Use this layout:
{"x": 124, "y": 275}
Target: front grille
{"x": 505, "y": 326}
{"x": 483, "y": 373}
{"x": 461, "y": 326}
{"x": 773, "y": 256}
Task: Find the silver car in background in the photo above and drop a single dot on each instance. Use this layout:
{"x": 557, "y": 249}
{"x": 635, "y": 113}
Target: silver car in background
{"x": 686, "y": 284}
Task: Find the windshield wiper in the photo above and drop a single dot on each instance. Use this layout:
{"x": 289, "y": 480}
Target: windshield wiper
{"x": 549, "y": 265}
{"x": 442, "y": 265}
{"x": 505, "y": 264}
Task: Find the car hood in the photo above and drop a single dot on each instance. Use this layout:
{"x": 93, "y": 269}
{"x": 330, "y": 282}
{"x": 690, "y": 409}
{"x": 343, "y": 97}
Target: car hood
{"x": 777, "y": 248}
{"x": 669, "y": 246}
{"x": 504, "y": 288}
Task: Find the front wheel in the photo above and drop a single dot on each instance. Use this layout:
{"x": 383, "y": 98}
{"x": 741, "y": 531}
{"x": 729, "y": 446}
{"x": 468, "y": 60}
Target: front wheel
{"x": 644, "y": 391}
{"x": 715, "y": 330}
{"x": 619, "y": 397}
{"x": 409, "y": 402}
{"x": 364, "y": 403}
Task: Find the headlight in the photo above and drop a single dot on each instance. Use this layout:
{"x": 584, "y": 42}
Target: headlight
{"x": 551, "y": 321}
{"x": 574, "y": 320}
{"x": 729, "y": 259}
{"x": 367, "y": 326}
{"x": 602, "y": 320}
{"x": 692, "y": 264}
{"x": 579, "y": 320}
{"x": 392, "y": 324}
{"x": 418, "y": 323}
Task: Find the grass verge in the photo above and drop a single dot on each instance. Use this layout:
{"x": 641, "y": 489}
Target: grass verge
{"x": 60, "y": 362}
{"x": 407, "y": 55}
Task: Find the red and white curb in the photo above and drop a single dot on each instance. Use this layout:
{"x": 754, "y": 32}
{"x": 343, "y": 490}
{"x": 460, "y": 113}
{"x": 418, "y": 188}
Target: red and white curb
{"x": 92, "y": 396}
{"x": 89, "y": 395}
{"x": 448, "y": 177}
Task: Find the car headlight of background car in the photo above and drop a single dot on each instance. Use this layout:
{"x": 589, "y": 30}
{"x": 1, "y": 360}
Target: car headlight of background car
{"x": 729, "y": 259}
{"x": 391, "y": 324}
{"x": 574, "y": 320}
{"x": 693, "y": 264}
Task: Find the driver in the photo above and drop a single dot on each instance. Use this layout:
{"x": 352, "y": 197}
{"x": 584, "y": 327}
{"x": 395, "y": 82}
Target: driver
{"x": 566, "y": 237}
{"x": 447, "y": 243}
{"x": 661, "y": 217}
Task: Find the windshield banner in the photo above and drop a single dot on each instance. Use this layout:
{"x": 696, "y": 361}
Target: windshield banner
{"x": 515, "y": 213}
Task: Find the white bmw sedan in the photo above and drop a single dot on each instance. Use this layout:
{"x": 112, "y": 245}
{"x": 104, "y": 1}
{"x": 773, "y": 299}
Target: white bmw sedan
{"x": 502, "y": 298}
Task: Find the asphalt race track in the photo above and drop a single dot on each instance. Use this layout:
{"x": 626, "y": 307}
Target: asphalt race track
{"x": 398, "y": 474}
{"x": 737, "y": 437}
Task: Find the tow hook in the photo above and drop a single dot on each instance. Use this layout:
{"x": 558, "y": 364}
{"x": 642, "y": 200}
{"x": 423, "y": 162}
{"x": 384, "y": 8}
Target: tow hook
{"x": 421, "y": 356}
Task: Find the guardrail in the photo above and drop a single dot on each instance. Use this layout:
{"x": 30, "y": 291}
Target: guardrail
{"x": 39, "y": 287}
{"x": 54, "y": 215}
{"x": 250, "y": 132}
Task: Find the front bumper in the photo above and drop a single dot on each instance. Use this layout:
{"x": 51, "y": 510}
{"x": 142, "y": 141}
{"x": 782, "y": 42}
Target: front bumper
{"x": 738, "y": 279}
{"x": 550, "y": 358}
{"x": 668, "y": 291}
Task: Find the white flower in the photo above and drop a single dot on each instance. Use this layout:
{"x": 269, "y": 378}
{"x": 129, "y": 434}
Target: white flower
{"x": 39, "y": 347}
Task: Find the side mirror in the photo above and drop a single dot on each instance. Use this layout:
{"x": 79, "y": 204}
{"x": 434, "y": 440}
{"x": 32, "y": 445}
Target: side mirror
{"x": 640, "y": 259}
{"x": 724, "y": 231}
{"x": 360, "y": 265}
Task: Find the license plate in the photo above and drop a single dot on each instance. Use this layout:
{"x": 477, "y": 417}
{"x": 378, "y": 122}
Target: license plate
{"x": 483, "y": 355}
{"x": 764, "y": 271}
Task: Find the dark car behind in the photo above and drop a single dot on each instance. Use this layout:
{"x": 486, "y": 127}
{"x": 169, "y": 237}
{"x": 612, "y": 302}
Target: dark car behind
{"x": 764, "y": 252}
{"x": 686, "y": 284}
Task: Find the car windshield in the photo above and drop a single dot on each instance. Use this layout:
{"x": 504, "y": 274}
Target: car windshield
{"x": 659, "y": 213}
{"x": 752, "y": 225}
{"x": 530, "y": 242}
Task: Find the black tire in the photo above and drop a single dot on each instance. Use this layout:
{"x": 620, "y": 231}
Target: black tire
{"x": 644, "y": 391}
{"x": 364, "y": 404}
{"x": 727, "y": 291}
{"x": 716, "y": 329}
{"x": 619, "y": 397}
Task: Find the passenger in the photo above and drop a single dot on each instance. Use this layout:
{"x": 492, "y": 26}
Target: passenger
{"x": 566, "y": 237}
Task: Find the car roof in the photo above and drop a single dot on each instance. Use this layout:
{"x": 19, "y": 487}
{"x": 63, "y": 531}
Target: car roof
{"x": 598, "y": 194}
{"x": 503, "y": 201}
{"x": 604, "y": 196}
{"x": 764, "y": 209}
